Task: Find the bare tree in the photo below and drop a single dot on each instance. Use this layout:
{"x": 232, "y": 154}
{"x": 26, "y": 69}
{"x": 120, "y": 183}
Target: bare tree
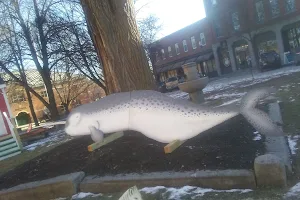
{"x": 77, "y": 45}
{"x": 68, "y": 83}
{"x": 15, "y": 56}
{"x": 149, "y": 28}
{"x": 118, "y": 43}
{"x": 37, "y": 27}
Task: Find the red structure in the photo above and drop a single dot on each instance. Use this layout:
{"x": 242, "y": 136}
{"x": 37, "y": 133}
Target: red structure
{"x": 4, "y": 107}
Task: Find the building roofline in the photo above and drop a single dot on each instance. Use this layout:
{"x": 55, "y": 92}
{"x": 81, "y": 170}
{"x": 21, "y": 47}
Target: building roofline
{"x": 179, "y": 31}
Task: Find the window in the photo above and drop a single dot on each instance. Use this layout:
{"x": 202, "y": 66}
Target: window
{"x": 163, "y": 54}
{"x": 18, "y": 98}
{"x": 236, "y": 21}
{"x": 170, "y": 51}
{"x": 193, "y": 41}
{"x": 202, "y": 39}
{"x": 214, "y": 2}
{"x": 44, "y": 94}
{"x": 260, "y": 12}
{"x": 218, "y": 28}
{"x": 157, "y": 56}
{"x": 274, "y": 8}
{"x": 177, "y": 49}
{"x": 290, "y": 5}
{"x": 185, "y": 47}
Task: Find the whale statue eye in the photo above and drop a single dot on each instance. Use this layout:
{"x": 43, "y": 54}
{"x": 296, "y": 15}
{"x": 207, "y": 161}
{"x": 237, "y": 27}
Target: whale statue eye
{"x": 74, "y": 119}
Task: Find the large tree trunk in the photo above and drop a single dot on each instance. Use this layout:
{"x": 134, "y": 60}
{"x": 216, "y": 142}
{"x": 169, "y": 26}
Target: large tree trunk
{"x": 117, "y": 40}
{"x": 52, "y": 103}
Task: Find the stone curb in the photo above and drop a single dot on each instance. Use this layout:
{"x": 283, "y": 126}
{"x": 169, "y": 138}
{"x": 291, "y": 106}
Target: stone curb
{"x": 61, "y": 186}
{"x": 270, "y": 171}
{"x": 222, "y": 179}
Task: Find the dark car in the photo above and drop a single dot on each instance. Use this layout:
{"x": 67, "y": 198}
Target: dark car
{"x": 162, "y": 87}
{"x": 269, "y": 60}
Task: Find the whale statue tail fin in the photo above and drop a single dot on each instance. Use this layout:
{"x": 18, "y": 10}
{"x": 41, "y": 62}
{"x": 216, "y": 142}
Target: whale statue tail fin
{"x": 258, "y": 118}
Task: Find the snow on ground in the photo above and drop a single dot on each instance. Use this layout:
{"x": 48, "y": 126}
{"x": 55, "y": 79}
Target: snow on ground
{"x": 258, "y": 77}
{"x": 242, "y": 79}
{"x": 293, "y": 143}
{"x": 257, "y": 136}
{"x": 53, "y": 138}
{"x": 193, "y": 192}
{"x": 82, "y": 195}
{"x": 293, "y": 192}
{"x": 226, "y": 95}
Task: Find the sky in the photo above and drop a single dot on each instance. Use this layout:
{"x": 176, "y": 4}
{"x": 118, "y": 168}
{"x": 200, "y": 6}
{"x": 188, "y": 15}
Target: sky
{"x": 173, "y": 14}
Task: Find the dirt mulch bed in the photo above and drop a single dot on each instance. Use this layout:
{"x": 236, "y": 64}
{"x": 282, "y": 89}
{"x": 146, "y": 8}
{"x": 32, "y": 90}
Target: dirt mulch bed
{"x": 227, "y": 146}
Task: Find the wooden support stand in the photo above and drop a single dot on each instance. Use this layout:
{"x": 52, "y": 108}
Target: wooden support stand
{"x": 173, "y": 146}
{"x": 105, "y": 141}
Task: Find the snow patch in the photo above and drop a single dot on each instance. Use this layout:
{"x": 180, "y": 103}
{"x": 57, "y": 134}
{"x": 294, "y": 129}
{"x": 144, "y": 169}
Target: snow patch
{"x": 292, "y": 140}
{"x": 53, "y": 138}
{"x": 152, "y": 190}
{"x": 82, "y": 195}
{"x": 190, "y": 147}
{"x": 242, "y": 80}
{"x": 178, "y": 193}
{"x": 257, "y": 136}
{"x": 294, "y": 191}
{"x": 226, "y": 95}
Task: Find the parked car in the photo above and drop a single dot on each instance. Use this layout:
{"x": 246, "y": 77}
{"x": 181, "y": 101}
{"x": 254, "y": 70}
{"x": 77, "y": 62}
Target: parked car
{"x": 172, "y": 83}
{"x": 181, "y": 79}
{"x": 162, "y": 87}
{"x": 269, "y": 60}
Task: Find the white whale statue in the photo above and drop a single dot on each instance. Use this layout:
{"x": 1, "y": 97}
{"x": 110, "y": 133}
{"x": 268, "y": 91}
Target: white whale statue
{"x": 161, "y": 117}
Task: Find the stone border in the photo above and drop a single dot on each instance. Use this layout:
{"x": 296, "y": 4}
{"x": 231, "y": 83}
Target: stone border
{"x": 219, "y": 179}
{"x": 68, "y": 185}
{"x": 278, "y": 145}
{"x": 60, "y": 186}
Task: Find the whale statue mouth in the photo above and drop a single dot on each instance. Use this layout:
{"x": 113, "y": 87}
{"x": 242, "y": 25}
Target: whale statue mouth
{"x": 54, "y": 123}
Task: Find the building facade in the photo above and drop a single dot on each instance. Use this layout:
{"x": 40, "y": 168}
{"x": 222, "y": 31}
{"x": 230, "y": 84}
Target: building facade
{"x": 190, "y": 44}
{"x": 236, "y": 33}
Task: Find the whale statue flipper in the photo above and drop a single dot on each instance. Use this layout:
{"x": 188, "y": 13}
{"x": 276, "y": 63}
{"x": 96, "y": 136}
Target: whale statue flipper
{"x": 96, "y": 134}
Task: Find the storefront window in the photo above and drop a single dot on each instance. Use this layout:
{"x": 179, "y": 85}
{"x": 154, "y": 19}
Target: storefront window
{"x": 242, "y": 56}
{"x": 270, "y": 45}
{"x": 163, "y": 77}
{"x": 172, "y": 73}
{"x": 294, "y": 37}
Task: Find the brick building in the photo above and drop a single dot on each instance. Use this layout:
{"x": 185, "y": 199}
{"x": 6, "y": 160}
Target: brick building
{"x": 236, "y": 32}
{"x": 190, "y": 44}
{"x": 19, "y": 105}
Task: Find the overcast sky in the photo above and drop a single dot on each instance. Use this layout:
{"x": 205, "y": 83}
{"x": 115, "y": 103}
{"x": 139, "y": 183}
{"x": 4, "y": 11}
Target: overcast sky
{"x": 174, "y": 14}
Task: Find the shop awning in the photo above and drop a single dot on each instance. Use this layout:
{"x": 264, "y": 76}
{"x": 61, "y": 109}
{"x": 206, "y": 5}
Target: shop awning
{"x": 177, "y": 65}
{"x": 205, "y": 57}
{"x": 164, "y": 69}
{"x": 190, "y": 60}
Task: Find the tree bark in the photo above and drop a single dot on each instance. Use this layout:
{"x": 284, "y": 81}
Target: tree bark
{"x": 116, "y": 36}
{"x": 29, "y": 99}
